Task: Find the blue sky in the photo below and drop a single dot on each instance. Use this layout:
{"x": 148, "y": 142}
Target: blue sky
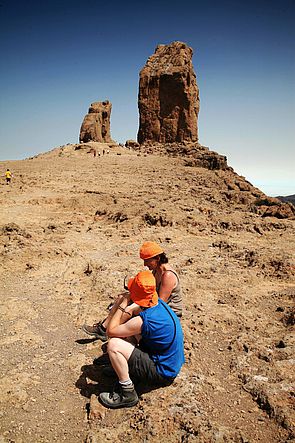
{"x": 60, "y": 56}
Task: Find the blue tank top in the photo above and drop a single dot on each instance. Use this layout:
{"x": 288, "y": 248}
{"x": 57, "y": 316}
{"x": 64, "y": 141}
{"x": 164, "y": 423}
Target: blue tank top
{"x": 162, "y": 338}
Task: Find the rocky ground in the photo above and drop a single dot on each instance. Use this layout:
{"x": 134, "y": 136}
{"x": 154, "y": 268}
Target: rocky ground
{"x": 70, "y": 229}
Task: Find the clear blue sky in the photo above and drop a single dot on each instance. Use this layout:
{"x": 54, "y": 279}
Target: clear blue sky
{"x": 59, "y": 56}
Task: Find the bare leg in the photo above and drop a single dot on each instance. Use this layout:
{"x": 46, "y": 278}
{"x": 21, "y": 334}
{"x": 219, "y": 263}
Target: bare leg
{"x": 119, "y": 351}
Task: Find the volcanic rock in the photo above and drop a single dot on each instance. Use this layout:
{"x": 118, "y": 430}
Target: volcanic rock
{"x": 210, "y": 160}
{"x": 131, "y": 144}
{"x": 87, "y": 219}
{"x": 96, "y": 124}
{"x": 287, "y": 198}
{"x": 168, "y": 98}
{"x": 273, "y": 207}
{"x": 284, "y": 210}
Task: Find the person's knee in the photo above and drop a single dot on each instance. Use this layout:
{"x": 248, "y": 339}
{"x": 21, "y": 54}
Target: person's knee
{"x": 114, "y": 344}
{"x": 119, "y": 345}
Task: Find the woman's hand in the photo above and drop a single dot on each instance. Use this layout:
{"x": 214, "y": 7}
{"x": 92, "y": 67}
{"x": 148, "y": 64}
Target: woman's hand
{"x": 123, "y": 296}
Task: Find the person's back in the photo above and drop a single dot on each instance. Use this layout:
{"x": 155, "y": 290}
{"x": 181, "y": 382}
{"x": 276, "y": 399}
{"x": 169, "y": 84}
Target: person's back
{"x": 162, "y": 338}
{"x": 175, "y": 298}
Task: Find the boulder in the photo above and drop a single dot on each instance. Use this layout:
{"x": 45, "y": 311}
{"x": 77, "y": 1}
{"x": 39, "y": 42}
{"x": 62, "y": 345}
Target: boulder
{"x": 131, "y": 144}
{"x": 168, "y": 98}
{"x": 284, "y": 210}
{"x": 96, "y": 124}
{"x": 273, "y": 207}
{"x": 209, "y": 160}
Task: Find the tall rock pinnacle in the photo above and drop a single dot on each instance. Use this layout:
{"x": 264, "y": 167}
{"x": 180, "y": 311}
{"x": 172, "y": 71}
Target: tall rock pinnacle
{"x": 168, "y": 98}
{"x": 96, "y": 124}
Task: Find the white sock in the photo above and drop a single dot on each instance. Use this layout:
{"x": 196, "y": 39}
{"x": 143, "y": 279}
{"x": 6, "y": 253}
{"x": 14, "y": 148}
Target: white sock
{"x": 127, "y": 382}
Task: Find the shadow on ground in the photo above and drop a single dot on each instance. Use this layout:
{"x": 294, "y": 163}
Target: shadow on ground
{"x": 93, "y": 380}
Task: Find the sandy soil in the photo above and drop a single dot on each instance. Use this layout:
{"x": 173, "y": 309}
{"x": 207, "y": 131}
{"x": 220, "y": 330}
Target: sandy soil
{"x": 70, "y": 229}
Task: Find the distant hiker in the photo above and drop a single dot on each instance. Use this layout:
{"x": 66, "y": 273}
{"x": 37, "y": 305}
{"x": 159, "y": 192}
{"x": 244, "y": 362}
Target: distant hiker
{"x": 167, "y": 285}
{"x": 8, "y": 176}
{"x": 103, "y": 151}
{"x": 160, "y": 356}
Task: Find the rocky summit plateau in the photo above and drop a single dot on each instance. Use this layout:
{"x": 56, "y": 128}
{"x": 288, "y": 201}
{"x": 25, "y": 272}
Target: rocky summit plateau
{"x": 71, "y": 226}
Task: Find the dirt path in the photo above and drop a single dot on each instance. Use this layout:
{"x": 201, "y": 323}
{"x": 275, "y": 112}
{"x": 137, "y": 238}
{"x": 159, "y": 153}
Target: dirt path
{"x": 66, "y": 244}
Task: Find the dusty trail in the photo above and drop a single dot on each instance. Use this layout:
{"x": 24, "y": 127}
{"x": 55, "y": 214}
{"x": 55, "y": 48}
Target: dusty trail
{"x": 70, "y": 230}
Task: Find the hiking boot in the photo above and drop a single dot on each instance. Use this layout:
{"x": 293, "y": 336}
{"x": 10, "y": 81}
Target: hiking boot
{"x": 96, "y": 330}
{"x": 121, "y": 397}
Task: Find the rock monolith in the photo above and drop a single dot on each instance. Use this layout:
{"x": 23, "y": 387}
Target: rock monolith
{"x": 168, "y": 98}
{"x": 96, "y": 124}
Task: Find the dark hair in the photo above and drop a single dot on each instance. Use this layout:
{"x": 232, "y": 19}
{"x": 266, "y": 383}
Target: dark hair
{"x": 163, "y": 258}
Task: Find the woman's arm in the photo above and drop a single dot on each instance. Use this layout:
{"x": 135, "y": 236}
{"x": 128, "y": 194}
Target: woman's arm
{"x": 168, "y": 283}
{"x": 119, "y": 324}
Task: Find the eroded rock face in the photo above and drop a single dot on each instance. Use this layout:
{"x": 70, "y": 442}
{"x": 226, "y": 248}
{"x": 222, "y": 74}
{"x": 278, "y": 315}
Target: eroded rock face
{"x": 96, "y": 124}
{"x": 168, "y": 98}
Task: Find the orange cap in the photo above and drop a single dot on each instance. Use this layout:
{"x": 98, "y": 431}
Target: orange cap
{"x": 150, "y": 249}
{"x": 142, "y": 289}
